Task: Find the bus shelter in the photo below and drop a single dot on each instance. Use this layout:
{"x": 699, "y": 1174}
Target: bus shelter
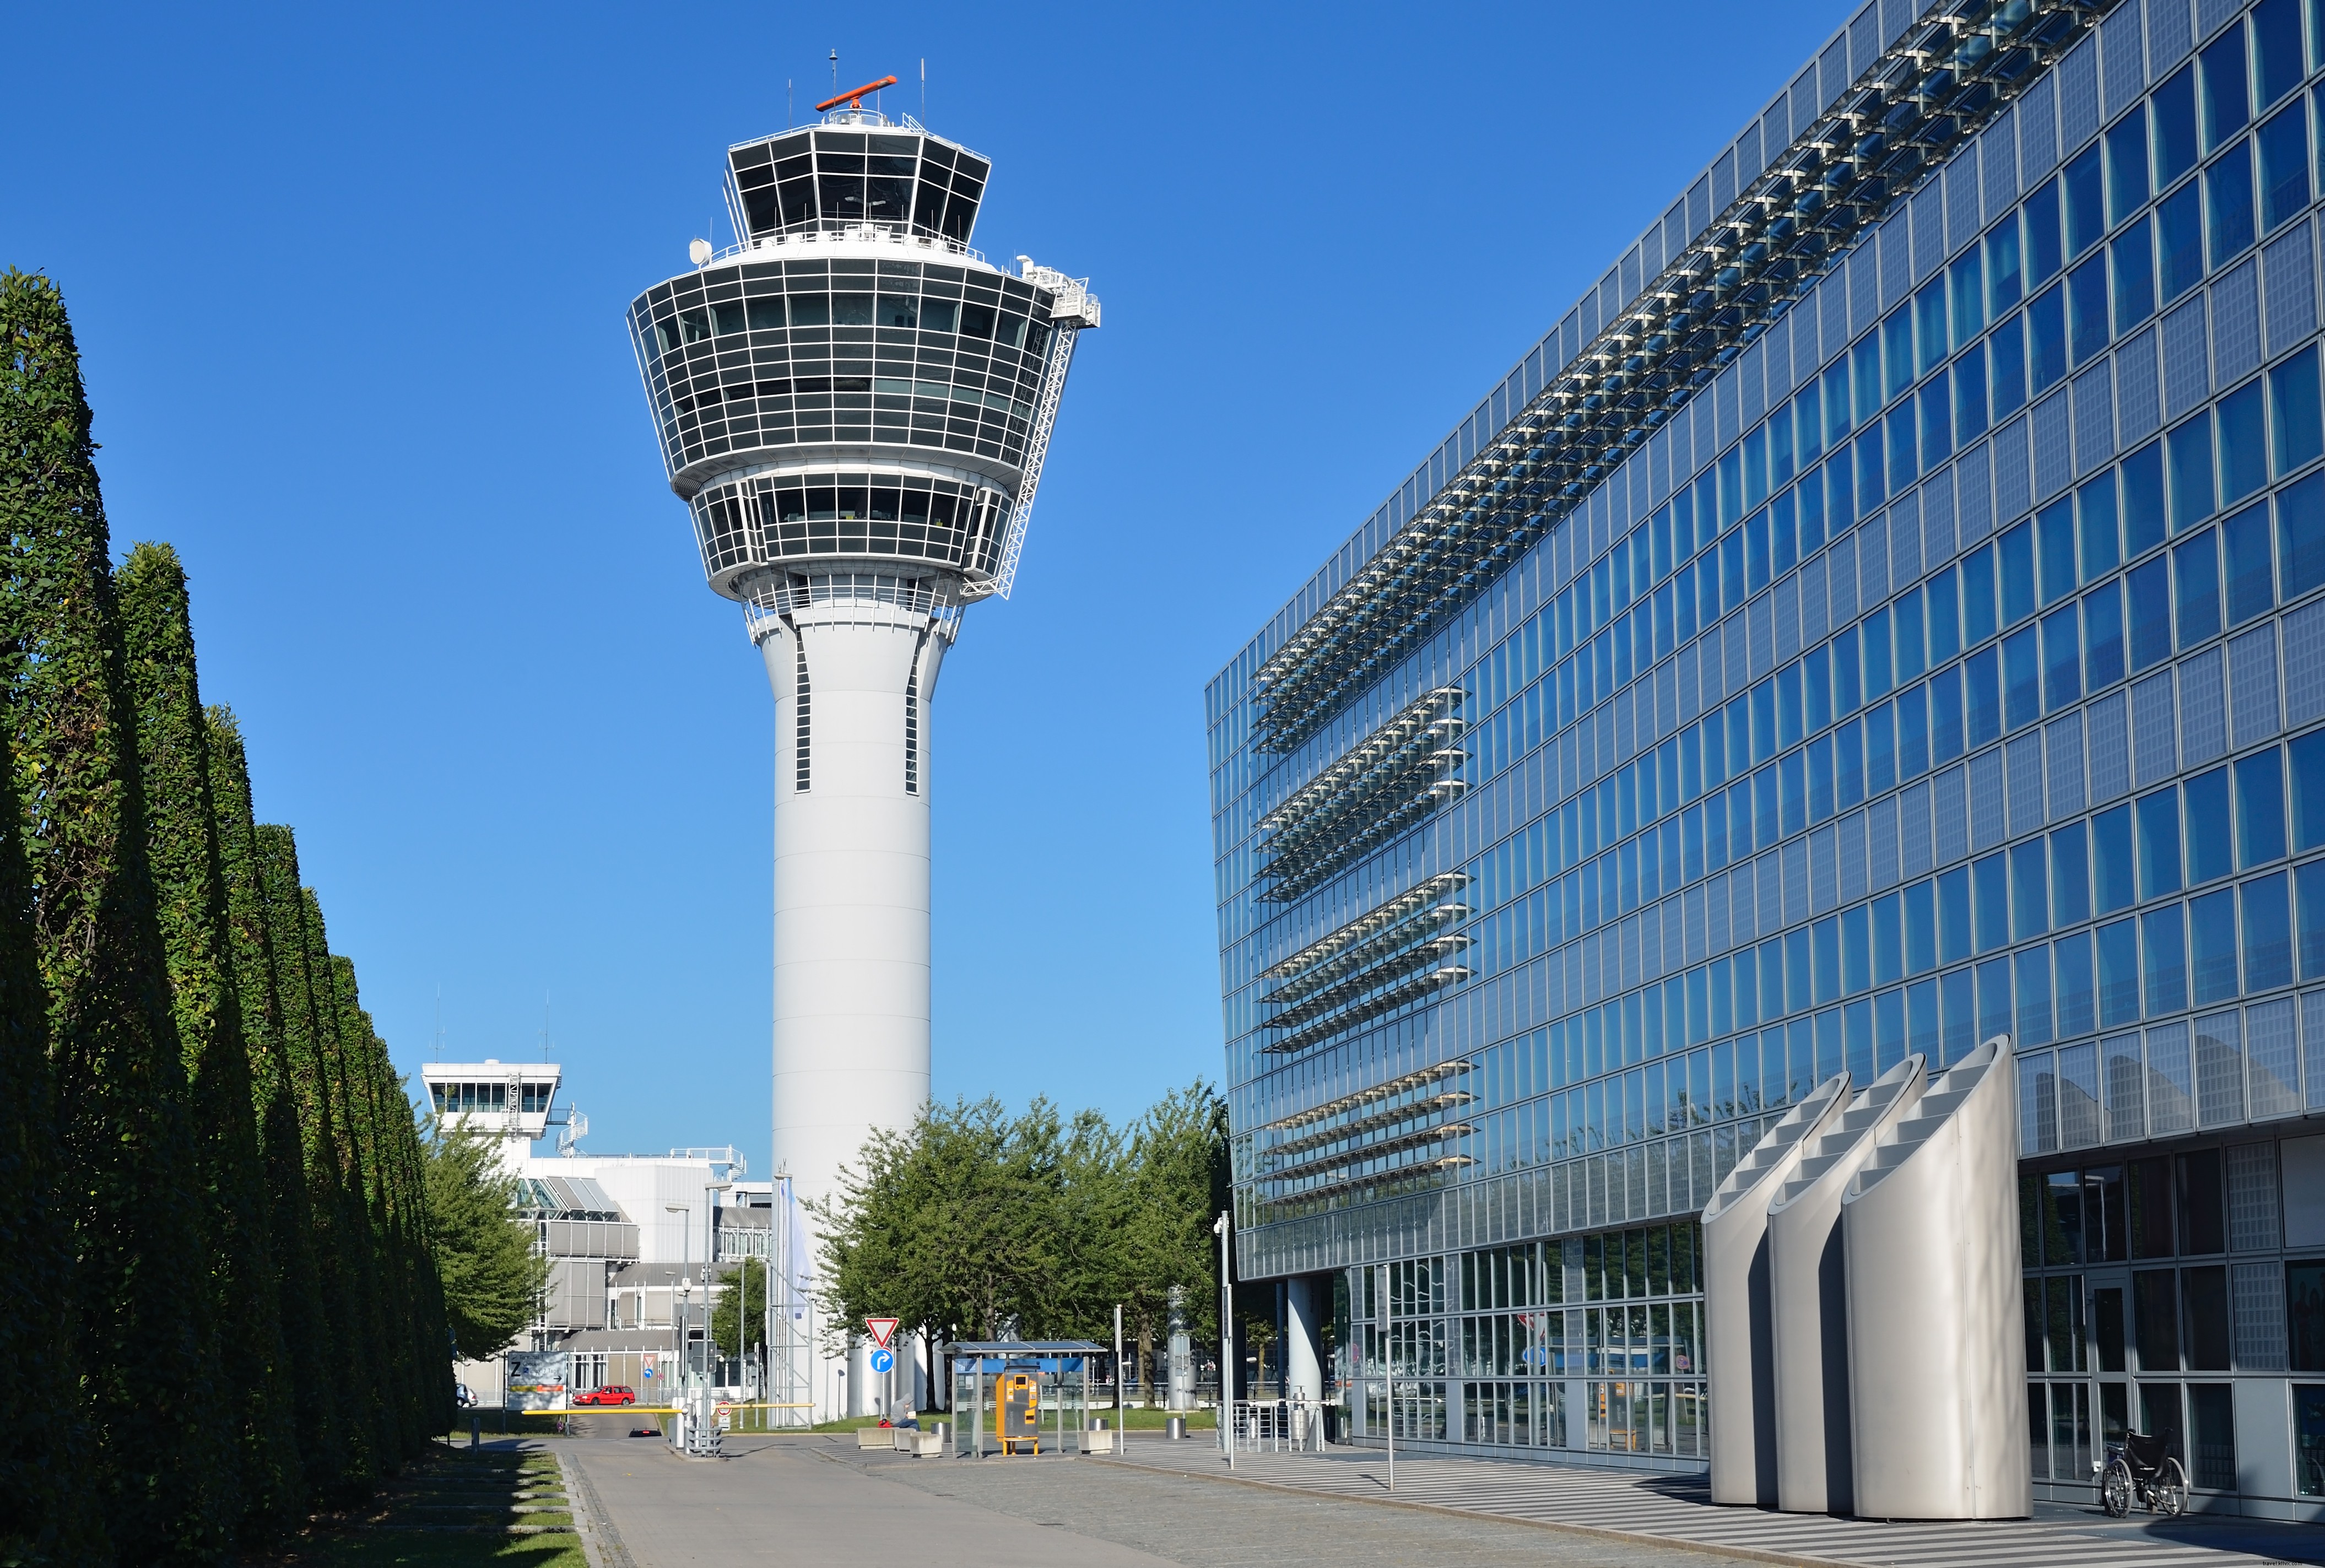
{"x": 1012, "y": 1397}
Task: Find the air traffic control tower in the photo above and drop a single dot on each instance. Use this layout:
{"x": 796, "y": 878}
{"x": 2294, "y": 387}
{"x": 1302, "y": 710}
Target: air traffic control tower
{"x": 855, "y": 405}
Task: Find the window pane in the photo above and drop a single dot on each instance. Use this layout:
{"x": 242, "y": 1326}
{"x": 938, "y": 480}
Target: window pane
{"x": 2245, "y": 539}
{"x": 2142, "y": 500}
{"x": 2196, "y": 580}
{"x": 2267, "y": 934}
{"x": 2006, "y": 366}
{"x": 1970, "y": 383}
{"x": 2103, "y": 636}
{"x": 1953, "y": 916}
{"x": 2112, "y": 863}
{"x": 2228, "y": 204}
{"x": 2309, "y": 899}
{"x": 2210, "y": 852}
{"x": 2062, "y": 671}
{"x": 2021, "y": 691}
{"x": 1901, "y": 469}
{"x": 2189, "y": 446}
{"x": 1990, "y": 893}
{"x": 2307, "y": 756}
{"x": 2150, "y": 588}
{"x": 2260, "y": 808}
{"x": 2070, "y": 877}
{"x": 2086, "y": 203}
{"x": 2017, "y": 555}
{"x": 2030, "y": 891}
{"x": 2226, "y": 101}
{"x": 1930, "y": 322}
{"x": 2054, "y": 531}
{"x": 2087, "y": 310}
{"x": 2295, "y": 425}
{"x": 1966, "y": 289}
{"x": 1937, "y": 421}
{"x": 2134, "y": 277}
{"x": 2174, "y": 116}
{"x": 2283, "y": 166}
{"x": 2180, "y": 222}
{"x": 1978, "y": 596}
{"x": 2046, "y": 252}
{"x": 2277, "y": 45}
{"x": 2244, "y": 442}
{"x": 2301, "y": 535}
{"x": 2126, "y": 160}
{"x": 2212, "y": 946}
{"x": 2046, "y": 326}
{"x": 2159, "y": 843}
{"x": 2094, "y": 511}
{"x": 2164, "y": 969}
{"x": 2119, "y": 946}
{"x": 2004, "y": 280}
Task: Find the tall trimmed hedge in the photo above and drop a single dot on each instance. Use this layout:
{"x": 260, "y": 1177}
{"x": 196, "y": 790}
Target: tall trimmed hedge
{"x": 219, "y": 1309}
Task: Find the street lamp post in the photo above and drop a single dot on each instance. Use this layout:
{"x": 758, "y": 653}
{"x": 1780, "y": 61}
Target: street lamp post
{"x": 1224, "y": 1226}
{"x": 678, "y": 1301}
{"x": 709, "y": 1278}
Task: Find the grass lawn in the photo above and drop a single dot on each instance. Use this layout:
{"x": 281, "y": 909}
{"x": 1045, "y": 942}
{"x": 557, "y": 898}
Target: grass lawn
{"x": 451, "y": 1508}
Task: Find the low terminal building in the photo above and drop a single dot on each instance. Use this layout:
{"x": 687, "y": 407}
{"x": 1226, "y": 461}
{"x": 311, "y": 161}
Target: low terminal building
{"x": 640, "y": 1249}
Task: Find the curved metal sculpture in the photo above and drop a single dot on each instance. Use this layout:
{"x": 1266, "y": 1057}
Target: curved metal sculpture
{"x": 1808, "y": 1295}
{"x": 1936, "y": 1352}
{"x": 1738, "y": 1326}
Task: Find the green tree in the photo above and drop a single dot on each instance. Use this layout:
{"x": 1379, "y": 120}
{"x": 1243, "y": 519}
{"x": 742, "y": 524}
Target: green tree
{"x": 314, "y": 1409}
{"x": 944, "y": 1226}
{"x": 1178, "y": 1155}
{"x": 492, "y": 1276}
{"x": 190, "y": 884}
{"x": 339, "y": 1242}
{"x": 164, "y": 1444}
{"x": 738, "y": 1321}
{"x": 44, "y": 1516}
{"x": 991, "y": 1225}
{"x": 339, "y": 1040}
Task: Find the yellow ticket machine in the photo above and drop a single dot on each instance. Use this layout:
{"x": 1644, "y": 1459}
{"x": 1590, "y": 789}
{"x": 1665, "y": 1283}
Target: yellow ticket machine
{"x": 1017, "y": 1413}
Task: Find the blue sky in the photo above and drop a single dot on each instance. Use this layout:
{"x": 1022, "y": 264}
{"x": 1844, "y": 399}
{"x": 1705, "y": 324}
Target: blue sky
{"x": 349, "y": 283}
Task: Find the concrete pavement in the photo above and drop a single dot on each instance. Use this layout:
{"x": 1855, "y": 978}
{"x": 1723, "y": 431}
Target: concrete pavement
{"x": 804, "y": 1499}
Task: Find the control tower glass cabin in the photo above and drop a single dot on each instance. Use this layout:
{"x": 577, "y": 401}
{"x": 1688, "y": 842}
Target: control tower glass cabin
{"x": 855, "y": 405}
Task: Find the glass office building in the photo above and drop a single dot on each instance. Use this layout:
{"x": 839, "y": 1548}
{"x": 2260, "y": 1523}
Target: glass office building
{"x": 1885, "y": 612}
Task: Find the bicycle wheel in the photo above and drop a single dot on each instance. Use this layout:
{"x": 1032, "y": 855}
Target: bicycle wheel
{"x": 2115, "y": 1490}
{"x": 2172, "y": 1491}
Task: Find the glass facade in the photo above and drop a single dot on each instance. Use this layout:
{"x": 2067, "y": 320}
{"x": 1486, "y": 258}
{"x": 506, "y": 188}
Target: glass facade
{"x": 1949, "y": 661}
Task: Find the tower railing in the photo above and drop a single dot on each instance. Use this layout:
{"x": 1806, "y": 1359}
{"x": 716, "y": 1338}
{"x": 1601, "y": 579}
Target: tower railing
{"x": 853, "y": 233}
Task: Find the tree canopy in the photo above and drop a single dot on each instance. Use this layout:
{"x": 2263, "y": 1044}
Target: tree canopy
{"x": 979, "y": 1223}
{"x": 492, "y": 1276}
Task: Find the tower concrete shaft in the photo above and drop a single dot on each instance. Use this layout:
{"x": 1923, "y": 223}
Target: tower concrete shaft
{"x": 852, "y": 680}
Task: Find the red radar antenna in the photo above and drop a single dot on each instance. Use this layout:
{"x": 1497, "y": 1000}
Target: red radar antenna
{"x": 853, "y": 97}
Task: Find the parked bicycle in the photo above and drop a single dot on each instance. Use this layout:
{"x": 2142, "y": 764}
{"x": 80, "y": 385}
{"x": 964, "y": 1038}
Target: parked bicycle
{"x": 2139, "y": 1470}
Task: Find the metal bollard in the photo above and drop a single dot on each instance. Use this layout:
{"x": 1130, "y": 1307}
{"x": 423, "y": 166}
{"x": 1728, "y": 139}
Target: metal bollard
{"x": 1175, "y": 1428}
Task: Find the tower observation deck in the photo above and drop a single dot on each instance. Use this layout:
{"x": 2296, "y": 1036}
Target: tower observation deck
{"x": 855, "y": 405}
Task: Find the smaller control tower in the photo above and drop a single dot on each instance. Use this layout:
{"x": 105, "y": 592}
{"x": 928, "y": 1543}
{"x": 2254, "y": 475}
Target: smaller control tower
{"x": 507, "y": 1102}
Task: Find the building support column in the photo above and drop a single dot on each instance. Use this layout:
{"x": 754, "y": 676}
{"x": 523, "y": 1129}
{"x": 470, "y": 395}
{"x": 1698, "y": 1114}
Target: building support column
{"x": 1304, "y": 1361}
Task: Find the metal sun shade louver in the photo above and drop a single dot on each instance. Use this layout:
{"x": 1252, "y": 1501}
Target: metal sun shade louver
{"x": 1944, "y": 79}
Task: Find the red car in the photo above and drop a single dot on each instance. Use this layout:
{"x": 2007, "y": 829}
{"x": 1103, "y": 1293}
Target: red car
{"x": 611, "y": 1394}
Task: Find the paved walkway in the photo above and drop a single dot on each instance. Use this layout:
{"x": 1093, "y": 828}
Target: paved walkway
{"x": 1618, "y": 1506}
{"x": 814, "y": 1500}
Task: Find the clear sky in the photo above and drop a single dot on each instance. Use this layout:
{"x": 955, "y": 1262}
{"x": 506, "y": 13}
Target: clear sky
{"x": 348, "y": 281}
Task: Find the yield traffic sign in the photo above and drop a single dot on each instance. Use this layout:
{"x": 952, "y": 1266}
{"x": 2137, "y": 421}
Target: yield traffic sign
{"x": 882, "y": 1328}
